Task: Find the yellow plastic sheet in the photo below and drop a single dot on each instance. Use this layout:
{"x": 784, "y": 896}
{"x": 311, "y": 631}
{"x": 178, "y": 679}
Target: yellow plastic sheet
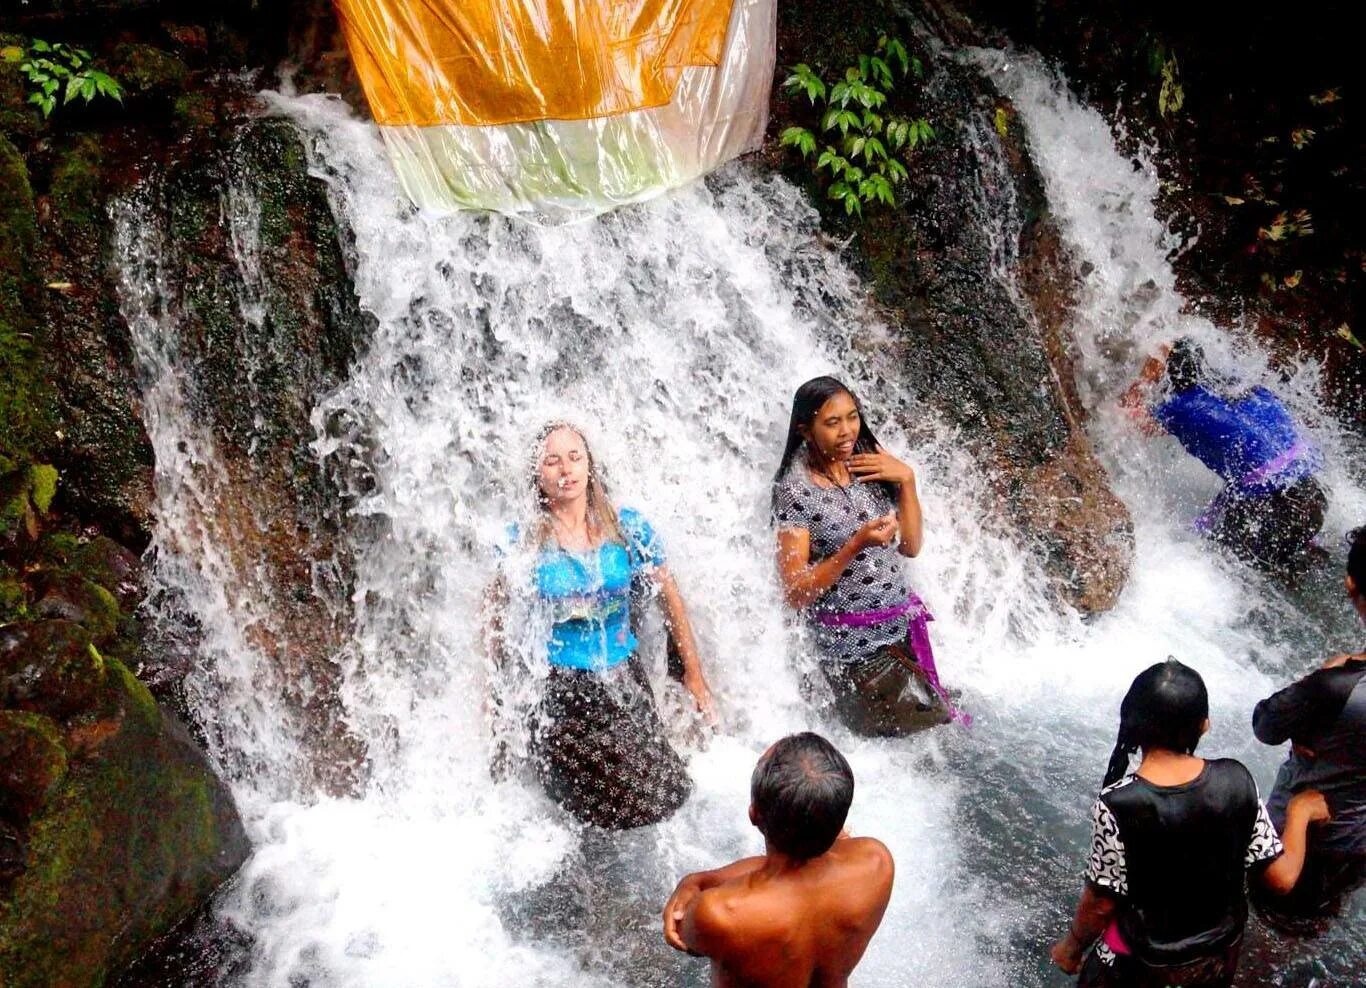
{"x": 481, "y": 62}
{"x": 561, "y": 107}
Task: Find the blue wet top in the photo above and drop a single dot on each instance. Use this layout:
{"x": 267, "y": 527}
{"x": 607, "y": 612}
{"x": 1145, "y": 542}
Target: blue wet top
{"x": 589, "y": 594}
{"x": 1235, "y": 436}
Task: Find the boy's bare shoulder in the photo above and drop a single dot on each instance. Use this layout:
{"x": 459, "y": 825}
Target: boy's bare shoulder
{"x": 866, "y": 852}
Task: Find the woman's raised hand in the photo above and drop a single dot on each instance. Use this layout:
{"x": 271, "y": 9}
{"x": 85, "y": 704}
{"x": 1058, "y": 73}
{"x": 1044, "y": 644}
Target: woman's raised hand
{"x": 878, "y": 531}
{"x": 881, "y": 465}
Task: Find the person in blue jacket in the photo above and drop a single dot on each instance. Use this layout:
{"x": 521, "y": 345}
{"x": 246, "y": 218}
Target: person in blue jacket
{"x": 1271, "y": 506}
{"x": 569, "y": 578}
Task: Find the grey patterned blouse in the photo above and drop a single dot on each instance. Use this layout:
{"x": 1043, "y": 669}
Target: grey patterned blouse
{"x": 874, "y": 581}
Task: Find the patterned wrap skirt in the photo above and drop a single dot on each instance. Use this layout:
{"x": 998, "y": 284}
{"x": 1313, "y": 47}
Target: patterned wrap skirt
{"x": 599, "y": 748}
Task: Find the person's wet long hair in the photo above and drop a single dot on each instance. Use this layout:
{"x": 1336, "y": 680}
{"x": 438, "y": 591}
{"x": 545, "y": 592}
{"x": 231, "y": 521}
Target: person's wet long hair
{"x": 602, "y": 515}
{"x": 1166, "y": 707}
{"x": 806, "y": 404}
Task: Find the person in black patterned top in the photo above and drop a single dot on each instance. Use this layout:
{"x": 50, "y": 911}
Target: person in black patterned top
{"x": 1165, "y": 900}
{"x": 846, "y": 511}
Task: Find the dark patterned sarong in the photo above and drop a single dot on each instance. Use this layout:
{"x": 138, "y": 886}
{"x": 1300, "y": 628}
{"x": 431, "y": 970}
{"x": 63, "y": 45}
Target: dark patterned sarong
{"x": 887, "y": 694}
{"x": 1105, "y": 970}
{"x": 599, "y": 748}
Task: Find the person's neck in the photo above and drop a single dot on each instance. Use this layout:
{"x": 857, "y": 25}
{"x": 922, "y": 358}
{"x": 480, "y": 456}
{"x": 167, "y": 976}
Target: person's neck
{"x": 569, "y": 522}
{"x": 1162, "y": 767}
{"x": 832, "y": 471}
{"x": 777, "y": 864}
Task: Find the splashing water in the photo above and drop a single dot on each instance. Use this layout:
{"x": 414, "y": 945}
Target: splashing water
{"x": 675, "y": 332}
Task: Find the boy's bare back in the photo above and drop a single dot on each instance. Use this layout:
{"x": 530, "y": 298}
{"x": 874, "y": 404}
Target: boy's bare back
{"x": 802, "y": 927}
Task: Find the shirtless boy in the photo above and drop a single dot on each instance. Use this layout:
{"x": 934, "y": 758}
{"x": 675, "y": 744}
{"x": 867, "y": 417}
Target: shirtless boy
{"x": 801, "y": 915}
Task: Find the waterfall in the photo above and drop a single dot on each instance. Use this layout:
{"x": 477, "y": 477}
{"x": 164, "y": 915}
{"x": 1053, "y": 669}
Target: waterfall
{"x": 675, "y": 332}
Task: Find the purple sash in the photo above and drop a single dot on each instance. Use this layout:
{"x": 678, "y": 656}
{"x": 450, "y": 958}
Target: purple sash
{"x": 1209, "y": 518}
{"x": 917, "y": 639}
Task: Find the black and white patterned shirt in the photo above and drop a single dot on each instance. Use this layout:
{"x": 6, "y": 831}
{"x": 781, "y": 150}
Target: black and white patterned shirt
{"x": 1175, "y": 857}
{"x": 874, "y": 581}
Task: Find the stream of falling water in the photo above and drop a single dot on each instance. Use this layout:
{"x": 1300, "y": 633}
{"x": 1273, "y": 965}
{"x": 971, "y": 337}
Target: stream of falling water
{"x": 675, "y": 332}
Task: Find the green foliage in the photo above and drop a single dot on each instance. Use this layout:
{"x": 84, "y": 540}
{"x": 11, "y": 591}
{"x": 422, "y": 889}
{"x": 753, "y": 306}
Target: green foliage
{"x": 58, "y": 74}
{"x": 1162, "y": 64}
{"x": 854, "y": 148}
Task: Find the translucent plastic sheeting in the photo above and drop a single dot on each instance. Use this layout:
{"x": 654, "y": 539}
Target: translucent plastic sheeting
{"x": 561, "y": 108}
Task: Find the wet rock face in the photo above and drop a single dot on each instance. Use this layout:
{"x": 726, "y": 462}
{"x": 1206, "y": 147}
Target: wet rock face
{"x": 266, "y": 322}
{"x": 971, "y": 268}
{"x": 88, "y": 876}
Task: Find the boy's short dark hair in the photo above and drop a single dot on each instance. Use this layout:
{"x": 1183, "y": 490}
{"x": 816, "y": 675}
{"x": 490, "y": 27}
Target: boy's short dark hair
{"x": 801, "y": 791}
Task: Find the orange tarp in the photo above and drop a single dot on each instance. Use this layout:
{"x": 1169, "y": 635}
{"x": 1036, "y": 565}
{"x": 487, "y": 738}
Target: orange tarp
{"x": 481, "y": 62}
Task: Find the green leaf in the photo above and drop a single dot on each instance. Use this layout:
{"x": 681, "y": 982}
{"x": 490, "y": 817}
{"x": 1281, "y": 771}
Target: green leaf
{"x": 830, "y": 119}
{"x": 840, "y": 190}
{"x": 856, "y": 146}
{"x": 12, "y": 53}
{"x": 73, "y": 88}
{"x": 873, "y": 148}
{"x": 50, "y": 86}
{"x": 917, "y": 69}
{"x": 846, "y": 119}
{"x": 89, "y": 90}
{"x": 865, "y": 66}
{"x": 853, "y": 173}
{"x": 872, "y": 123}
{"x": 896, "y": 169}
{"x": 853, "y": 75}
{"x": 40, "y": 45}
{"x": 840, "y": 94}
{"x": 882, "y": 72}
{"x": 896, "y": 52}
{"x": 830, "y": 158}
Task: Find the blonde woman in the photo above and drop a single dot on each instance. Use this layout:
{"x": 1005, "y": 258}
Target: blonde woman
{"x": 597, "y": 742}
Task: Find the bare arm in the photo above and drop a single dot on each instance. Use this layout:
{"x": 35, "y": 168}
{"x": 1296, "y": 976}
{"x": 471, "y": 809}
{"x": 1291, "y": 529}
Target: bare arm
{"x": 676, "y": 616}
{"x": 1094, "y": 912}
{"x": 804, "y": 581}
{"x": 1135, "y": 398}
{"x": 909, "y": 517}
{"x": 1305, "y": 808}
{"x": 679, "y": 919}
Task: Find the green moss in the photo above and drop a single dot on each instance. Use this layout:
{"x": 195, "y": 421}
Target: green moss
{"x": 13, "y": 596}
{"x": 76, "y": 182}
{"x": 18, "y": 117}
{"x": 26, "y": 403}
{"x": 43, "y": 486}
{"x": 145, "y": 70}
{"x": 60, "y": 547}
{"x": 104, "y": 874}
{"x": 194, "y": 110}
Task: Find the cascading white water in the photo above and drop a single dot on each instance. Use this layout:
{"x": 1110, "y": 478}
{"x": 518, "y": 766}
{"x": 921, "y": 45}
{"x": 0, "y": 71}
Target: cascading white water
{"x": 676, "y": 331}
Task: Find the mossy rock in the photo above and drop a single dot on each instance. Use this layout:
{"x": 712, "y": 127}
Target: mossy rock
{"x": 26, "y": 494}
{"x": 68, "y": 596}
{"x": 76, "y": 189}
{"x": 49, "y": 667}
{"x": 195, "y": 111}
{"x": 13, "y": 596}
{"x": 33, "y": 763}
{"x": 144, "y": 70}
{"x": 26, "y": 401}
{"x": 18, "y": 117}
{"x": 104, "y": 876}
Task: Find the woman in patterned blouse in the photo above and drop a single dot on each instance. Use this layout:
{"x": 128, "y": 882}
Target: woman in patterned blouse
{"x": 1165, "y": 899}
{"x": 846, "y": 511}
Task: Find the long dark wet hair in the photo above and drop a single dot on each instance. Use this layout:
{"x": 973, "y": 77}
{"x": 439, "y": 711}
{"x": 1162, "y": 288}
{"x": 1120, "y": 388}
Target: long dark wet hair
{"x": 1166, "y": 707}
{"x": 806, "y": 404}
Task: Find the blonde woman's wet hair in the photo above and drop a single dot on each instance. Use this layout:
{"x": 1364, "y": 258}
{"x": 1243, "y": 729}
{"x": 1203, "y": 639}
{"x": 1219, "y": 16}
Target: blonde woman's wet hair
{"x": 603, "y": 525}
